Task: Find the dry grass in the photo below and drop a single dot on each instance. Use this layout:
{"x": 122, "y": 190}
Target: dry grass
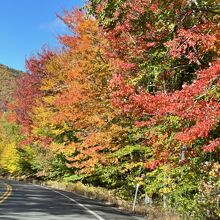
{"x": 107, "y": 196}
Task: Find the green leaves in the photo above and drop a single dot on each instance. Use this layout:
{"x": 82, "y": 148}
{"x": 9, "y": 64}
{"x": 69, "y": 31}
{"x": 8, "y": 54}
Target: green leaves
{"x": 130, "y": 150}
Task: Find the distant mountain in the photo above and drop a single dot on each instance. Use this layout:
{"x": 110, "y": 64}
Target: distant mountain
{"x": 7, "y": 85}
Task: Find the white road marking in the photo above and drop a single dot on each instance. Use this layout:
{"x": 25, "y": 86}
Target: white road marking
{"x": 73, "y": 200}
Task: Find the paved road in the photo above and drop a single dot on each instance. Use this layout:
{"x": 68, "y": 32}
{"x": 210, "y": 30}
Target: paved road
{"x": 27, "y": 202}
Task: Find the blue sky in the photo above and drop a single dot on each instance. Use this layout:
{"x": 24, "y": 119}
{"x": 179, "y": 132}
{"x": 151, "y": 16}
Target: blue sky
{"x": 27, "y": 25}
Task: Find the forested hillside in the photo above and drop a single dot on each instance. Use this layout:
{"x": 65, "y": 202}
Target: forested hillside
{"x": 132, "y": 97}
{"x": 7, "y": 85}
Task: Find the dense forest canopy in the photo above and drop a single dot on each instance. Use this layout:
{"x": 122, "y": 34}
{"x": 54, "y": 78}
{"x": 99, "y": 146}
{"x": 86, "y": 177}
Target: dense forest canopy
{"x": 131, "y": 97}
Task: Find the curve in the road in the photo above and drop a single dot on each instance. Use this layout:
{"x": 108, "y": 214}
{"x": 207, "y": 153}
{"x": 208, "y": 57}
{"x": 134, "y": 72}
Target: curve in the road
{"x": 7, "y": 192}
{"x": 36, "y": 202}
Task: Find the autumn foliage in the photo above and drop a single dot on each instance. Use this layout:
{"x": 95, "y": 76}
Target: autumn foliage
{"x": 133, "y": 91}
{"x": 165, "y": 56}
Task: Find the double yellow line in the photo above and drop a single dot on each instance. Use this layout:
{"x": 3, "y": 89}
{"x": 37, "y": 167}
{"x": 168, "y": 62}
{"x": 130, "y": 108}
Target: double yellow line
{"x": 6, "y": 194}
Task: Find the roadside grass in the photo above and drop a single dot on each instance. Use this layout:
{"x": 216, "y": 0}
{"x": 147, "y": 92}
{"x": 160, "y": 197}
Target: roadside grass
{"x": 109, "y": 197}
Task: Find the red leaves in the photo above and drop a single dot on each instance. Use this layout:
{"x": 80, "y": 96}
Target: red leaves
{"x": 189, "y": 104}
{"x": 28, "y": 88}
{"x": 192, "y": 43}
{"x": 212, "y": 146}
{"x": 200, "y": 130}
{"x": 25, "y": 95}
{"x": 184, "y": 103}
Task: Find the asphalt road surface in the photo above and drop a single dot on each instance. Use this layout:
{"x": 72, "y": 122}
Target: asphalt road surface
{"x": 19, "y": 201}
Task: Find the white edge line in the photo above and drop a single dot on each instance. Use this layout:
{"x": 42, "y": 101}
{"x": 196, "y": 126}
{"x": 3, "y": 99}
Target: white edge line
{"x": 73, "y": 200}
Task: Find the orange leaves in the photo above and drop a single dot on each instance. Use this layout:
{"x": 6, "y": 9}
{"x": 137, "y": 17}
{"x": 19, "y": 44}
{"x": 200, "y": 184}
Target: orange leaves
{"x": 84, "y": 32}
{"x": 83, "y": 102}
{"x": 152, "y": 164}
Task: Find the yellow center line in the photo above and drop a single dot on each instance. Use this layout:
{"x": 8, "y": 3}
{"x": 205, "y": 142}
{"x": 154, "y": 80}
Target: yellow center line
{"x": 6, "y": 194}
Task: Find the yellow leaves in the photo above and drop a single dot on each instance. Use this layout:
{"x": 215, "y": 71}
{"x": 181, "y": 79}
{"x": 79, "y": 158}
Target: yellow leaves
{"x": 9, "y": 139}
{"x": 131, "y": 166}
{"x": 42, "y": 117}
{"x": 67, "y": 150}
{"x": 215, "y": 171}
{"x": 9, "y": 157}
{"x": 57, "y": 131}
{"x": 49, "y": 100}
{"x": 139, "y": 181}
{"x": 165, "y": 190}
{"x": 47, "y": 84}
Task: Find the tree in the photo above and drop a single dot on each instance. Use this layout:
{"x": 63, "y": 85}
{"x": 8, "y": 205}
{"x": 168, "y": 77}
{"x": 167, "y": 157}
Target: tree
{"x": 28, "y": 89}
{"x": 9, "y": 151}
{"x": 83, "y": 105}
{"x": 165, "y": 56}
